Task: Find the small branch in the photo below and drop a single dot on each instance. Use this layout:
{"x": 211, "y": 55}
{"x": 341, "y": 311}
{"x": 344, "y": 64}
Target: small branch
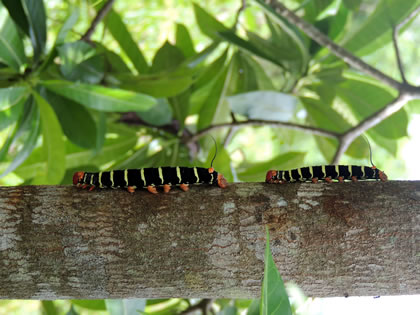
{"x": 313, "y": 130}
{"x": 348, "y": 137}
{"x": 238, "y": 13}
{"x": 204, "y": 306}
{"x": 337, "y": 50}
{"x": 395, "y": 32}
{"x": 98, "y": 18}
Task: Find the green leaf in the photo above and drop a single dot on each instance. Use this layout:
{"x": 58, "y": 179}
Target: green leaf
{"x": 35, "y": 13}
{"x": 125, "y": 306}
{"x": 290, "y": 30}
{"x": 29, "y": 125}
{"x": 376, "y": 31}
{"x": 53, "y": 144}
{"x": 72, "y": 311}
{"x": 212, "y": 71}
{"x": 119, "y": 31}
{"x": 11, "y": 96}
{"x": 183, "y": 41}
{"x": 167, "y": 58}
{"x": 101, "y": 98}
{"x": 352, "y": 4}
{"x": 257, "y": 171}
{"x": 274, "y": 299}
{"x": 17, "y": 13}
{"x": 76, "y": 121}
{"x": 207, "y": 23}
{"x": 158, "y": 115}
{"x": 254, "y": 308}
{"x": 98, "y": 305}
{"x": 89, "y": 71}
{"x": 49, "y": 308}
{"x": 11, "y": 46}
{"x": 67, "y": 26}
{"x": 228, "y": 310}
{"x": 215, "y": 99}
{"x": 100, "y": 132}
{"x": 365, "y": 96}
{"x": 10, "y": 115}
{"x": 72, "y": 54}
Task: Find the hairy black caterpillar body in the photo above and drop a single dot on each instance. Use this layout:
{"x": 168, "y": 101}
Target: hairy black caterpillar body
{"x": 150, "y": 178}
{"x": 327, "y": 173}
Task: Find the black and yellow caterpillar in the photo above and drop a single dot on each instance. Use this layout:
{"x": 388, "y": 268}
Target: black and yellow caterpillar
{"x": 327, "y": 173}
{"x": 150, "y": 178}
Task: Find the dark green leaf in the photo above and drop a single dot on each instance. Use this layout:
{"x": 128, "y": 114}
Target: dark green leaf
{"x": 181, "y": 107}
{"x": 115, "y": 63}
{"x": 76, "y": 121}
{"x": 53, "y": 144}
{"x": 49, "y": 308}
{"x": 167, "y": 58}
{"x": 263, "y": 80}
{"x": 207, "y": 23}
{"x": 89, "y": 71}
{"x": 183, "y": 41}
{"x": 376, "y": 30}
{"x": 158, "y": 115}
{"x": 17, "y": 13}
{"x": 11, "y": 96}
{"x": 11, "y": 46}
{"x": 211, "y": 71}
{"x": 101, "y": 98}
{"x": 121, "y": 34}
{"x": 35, "y": 13}
{"x": 274, "y": 299}
{"x": 365, "y": 97}
{"x": 31, "y": 126}
{"x": 352, "y": 4}
{"x": 98, "y": 305}
{"x": 125, "y": 306}
{"x": 72, "y": 54}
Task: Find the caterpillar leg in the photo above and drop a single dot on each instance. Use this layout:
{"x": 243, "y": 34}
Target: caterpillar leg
{"x": 328, "y": 179}
{"x": 166, "y": 188}
{"x": 92, "y": 188}
{"x": 354, "y": 178}
{"x": 341, "y": 179}
{"x": 131, "y": 189}
{"x": 84, "y": 186}
{"x": 315, "y": 180}
{"x": 184, "y": 187}
{"x": 152, "y": 189}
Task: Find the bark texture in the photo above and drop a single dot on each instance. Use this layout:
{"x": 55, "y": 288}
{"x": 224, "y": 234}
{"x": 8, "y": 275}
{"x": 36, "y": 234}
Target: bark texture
{"x": 331, "y": 239}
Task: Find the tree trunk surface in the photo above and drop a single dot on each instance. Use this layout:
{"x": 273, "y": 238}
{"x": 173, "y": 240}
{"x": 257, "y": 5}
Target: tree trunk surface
{"x": 340, "y": 239}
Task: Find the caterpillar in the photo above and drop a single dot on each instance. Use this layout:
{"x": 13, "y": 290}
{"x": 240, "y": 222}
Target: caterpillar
{"x": 150, "y": 178}
{"x": 327, "y": 173}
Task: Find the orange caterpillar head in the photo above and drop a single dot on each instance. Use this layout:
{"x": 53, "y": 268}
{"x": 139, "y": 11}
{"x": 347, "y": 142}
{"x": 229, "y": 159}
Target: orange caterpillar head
{"x": 382, "y": 176}
{"x": 221, "y": 181}
{"x": 77, "y": 177}
{"x": 271, "y": 176}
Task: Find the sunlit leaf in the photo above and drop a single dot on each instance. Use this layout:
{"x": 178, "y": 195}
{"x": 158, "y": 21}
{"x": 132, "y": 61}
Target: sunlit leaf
{"x": 167, "y": 58}
{"x": 11, "y": 96}
{"x": 98, "y": 305}
{"x": 125, "y": 306}
{"x": 183, "y": 41}
{"x": 207, "y": 23}
{"x": 53, "y": 144}
{"x": 101, "y": 98}
{"x": 35, "y": 14}
{"x": 274, "y": 299}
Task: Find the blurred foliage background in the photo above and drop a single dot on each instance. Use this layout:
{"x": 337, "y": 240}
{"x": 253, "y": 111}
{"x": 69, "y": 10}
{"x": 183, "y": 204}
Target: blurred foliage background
{"x": 157, "y": 77}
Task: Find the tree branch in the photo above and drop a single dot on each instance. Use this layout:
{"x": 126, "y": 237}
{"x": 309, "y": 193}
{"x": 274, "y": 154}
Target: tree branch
{"x": 337, "y": 50}
{"x": 348, "y": 137}
{"x": 98, "y": 18}
{"x": 59, "y": 242}
{"x": 313, "y": 130}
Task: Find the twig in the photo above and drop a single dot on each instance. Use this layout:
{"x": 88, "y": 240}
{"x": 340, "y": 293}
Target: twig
{"x": 395, "y": 31}
{"x": 204, "y": 306}
{"x": 348, "y": 137}
{"x": 101, "y": 14}
{"x": 337, "y": 50}
{"x": 313, "y": 130}
{"x": 238, "y": 13}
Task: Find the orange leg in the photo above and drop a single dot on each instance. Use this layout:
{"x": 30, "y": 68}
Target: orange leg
{"x": 85, "y": 186}
{"x": 91, "y": 188}
{"x": 184, "y": 187}
{"x": 315, "y": 180}
{"x": 211, "y": 170}
{"x": 328, "y": 179}
{"x": 166, "y": 188}
{"x": 341, "y": 179}
{"x": 152, "y": 189}
{"x": 131, "y": 189}
{"x": 354, "y": 178}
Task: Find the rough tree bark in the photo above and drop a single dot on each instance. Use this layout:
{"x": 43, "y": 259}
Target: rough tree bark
{"x": 331, "y": 239}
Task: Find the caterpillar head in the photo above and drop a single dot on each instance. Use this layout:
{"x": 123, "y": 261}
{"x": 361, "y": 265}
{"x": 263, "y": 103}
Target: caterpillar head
{"x": 271, "y": 177}
{"x": 77, "y": 177}
{"x": 221, "y": 181}
{"x": 382, "y": 176}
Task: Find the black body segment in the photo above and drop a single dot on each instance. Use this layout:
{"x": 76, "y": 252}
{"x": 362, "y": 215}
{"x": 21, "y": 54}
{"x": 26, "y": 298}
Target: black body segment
{"x": 345, "y": 172}
{"x": 145, "y": 177}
